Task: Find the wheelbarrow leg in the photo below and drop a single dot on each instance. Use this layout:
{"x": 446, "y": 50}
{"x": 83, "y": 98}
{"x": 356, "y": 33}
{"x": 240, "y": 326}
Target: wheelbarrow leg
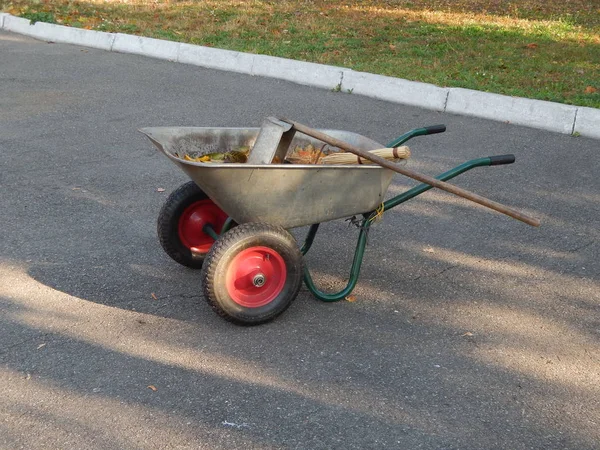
{"x": 354, "y": 271}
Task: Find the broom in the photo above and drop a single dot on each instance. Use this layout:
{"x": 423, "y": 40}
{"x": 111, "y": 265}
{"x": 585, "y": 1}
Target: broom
{"x": 343, "y": 158}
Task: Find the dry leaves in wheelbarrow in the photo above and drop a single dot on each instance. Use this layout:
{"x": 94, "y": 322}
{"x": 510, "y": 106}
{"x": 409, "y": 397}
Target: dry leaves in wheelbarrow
{"x": 233, "y": 156}
{"x": 306, "y": 155}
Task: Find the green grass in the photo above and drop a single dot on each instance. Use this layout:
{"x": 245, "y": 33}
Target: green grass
{"x": 39, "y": 16}
{"x": 543, "y": 49}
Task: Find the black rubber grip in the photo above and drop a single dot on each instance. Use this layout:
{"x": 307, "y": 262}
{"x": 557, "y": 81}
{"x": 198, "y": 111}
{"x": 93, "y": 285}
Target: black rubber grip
{"x": 433, "y": 129}
{"x": 502, "y": 159}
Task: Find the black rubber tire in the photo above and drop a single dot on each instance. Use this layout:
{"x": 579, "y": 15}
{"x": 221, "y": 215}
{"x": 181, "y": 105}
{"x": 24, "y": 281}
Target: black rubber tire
{"x": 168, "y": 225}
{"x": 223, "y": 252}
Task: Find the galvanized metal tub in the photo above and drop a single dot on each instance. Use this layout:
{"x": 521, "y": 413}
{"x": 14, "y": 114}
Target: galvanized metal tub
{"x": 290, "y": 195}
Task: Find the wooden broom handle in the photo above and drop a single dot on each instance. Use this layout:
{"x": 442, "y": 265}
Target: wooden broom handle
{"x": 416, "y": 175}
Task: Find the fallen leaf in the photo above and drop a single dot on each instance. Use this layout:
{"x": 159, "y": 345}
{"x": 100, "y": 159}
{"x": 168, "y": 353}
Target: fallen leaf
{"x": 41, "y": 345}
{"x": 351, "y": 298}
{"x": 152, "y": 388}
{"x": 532, "y": 46}
{"x": 305, "y": 155}
{"x": 392, "y": 47}
{"x": 160, "y": 190}
{"x": 233, "y": 156}
{"x": 590, "y": 90}
{"x": 154, "y": 296}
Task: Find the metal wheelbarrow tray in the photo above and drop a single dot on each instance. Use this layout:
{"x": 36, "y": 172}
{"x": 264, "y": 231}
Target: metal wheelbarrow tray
{"x": 231, "y": 220}
{"x": 289, "y": 195}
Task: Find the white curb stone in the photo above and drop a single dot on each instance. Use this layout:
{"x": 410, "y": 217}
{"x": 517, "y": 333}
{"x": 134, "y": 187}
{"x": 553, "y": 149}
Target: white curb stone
{"x": 520, "y": 111}
{"x": 22, "y": 26}
{"x": 215, "y": 58}
{"x": 79, "y": 36}
{"x": 59, "y": 33}
{"x": 300, "y": 72}
{"x": 395, "y": 90}
{"x": 587, "y": 122}
{"x": 155, "y": 48}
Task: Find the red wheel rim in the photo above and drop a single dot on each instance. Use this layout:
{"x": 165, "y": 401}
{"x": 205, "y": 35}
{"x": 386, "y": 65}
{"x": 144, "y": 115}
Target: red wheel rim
{"x": 256, "y": 276}
{"x": 194, "y": 218}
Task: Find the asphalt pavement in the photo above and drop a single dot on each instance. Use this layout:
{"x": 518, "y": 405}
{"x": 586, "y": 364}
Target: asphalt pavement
{"x": 469, "y": 330}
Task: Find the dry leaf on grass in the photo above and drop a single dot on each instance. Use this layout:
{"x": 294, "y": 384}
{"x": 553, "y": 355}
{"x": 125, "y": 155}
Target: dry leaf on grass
{"x": 590, "y": 90}
{"x": 532, "y": 46}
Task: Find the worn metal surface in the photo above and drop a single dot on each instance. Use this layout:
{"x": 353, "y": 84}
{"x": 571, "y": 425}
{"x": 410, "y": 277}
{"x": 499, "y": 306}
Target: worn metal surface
{"x": 273, "y": 141}
{"x": 289, "y": 195}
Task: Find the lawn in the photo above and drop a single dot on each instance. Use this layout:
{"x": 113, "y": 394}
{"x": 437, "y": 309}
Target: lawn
{"x": 543, "y": 49}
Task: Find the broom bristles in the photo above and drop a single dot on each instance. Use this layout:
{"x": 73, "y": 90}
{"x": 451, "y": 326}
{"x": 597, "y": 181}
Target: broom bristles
{"x": 343, "y": 158}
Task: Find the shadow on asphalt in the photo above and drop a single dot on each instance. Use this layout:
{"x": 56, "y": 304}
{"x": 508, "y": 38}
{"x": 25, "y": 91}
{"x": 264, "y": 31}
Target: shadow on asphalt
{"x": 224, "y": 370}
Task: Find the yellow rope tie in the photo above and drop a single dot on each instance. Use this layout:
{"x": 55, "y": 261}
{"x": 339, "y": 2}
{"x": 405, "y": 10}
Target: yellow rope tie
{"x": 379, "y": 214}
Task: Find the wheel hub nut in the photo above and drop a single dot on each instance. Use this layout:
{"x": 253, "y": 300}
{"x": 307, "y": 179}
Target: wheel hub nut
{"x": 259, "y": 280}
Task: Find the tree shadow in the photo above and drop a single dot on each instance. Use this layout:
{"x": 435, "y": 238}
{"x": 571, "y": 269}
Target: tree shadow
{"x": 359, "y": 390}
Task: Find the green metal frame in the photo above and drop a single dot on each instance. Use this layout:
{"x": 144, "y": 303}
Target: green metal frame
{"x": 368, "y": 220}
{"x": 227, "y": 225}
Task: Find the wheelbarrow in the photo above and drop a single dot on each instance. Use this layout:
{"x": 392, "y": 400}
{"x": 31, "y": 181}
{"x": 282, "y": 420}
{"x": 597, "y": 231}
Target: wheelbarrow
{"x": 232, "y": 219}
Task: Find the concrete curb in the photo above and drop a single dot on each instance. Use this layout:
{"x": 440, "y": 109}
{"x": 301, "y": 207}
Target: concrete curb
{"x": 587, "y": 122}
{"x": 57, "y": 33}
{"x": 544, "y": 115}
{"x": 395, "y": 90}
{"x": 213, "y": 58}
{"x": 300, "y": 72}
{"x": 520, "y": 111}
{"x": 155, "y": 48}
